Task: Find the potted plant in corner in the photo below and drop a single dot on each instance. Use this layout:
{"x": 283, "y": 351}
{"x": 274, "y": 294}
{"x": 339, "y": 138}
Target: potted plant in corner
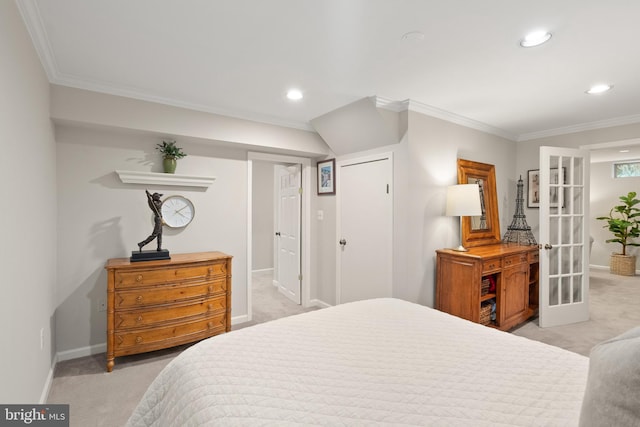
{"x": 623, "y": 223}
{"x": 170, "y": 155}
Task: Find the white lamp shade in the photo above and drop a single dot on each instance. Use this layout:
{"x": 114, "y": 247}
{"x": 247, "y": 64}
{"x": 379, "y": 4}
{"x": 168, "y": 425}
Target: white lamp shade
{"x": 463, "y": 200}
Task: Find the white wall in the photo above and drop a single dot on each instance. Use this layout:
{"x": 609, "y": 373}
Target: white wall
{"x": 262, "y": 205}
{"x": 528, "y": 158}
{"x": 425, "y": 163}
{"x": 28, "y": 249}
{"x": 605, "y": 193}
{"x": 102, "y": 218}
{"x": 434, "y": 146}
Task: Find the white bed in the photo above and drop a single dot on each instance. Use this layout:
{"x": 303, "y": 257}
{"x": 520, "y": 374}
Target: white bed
{"x": 375, "y": 362}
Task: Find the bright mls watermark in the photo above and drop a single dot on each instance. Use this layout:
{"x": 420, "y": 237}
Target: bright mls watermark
{"x": 34, "y": 415}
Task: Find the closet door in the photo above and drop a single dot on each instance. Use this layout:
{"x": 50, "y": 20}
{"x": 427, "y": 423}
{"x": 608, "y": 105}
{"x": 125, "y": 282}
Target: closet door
{"x": 365, "y": 227}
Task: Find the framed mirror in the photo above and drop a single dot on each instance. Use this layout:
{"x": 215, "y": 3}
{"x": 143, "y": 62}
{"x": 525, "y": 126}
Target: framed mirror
{"x": 483, "y": 229}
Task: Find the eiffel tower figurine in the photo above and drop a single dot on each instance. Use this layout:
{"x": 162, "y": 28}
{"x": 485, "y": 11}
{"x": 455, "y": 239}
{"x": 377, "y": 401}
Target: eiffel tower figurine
{"x": 519, "y": 232}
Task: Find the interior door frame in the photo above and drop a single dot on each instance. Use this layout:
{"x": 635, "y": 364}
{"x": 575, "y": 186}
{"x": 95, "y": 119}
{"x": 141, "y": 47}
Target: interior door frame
{"x": 305, "y": 222}
{"x": 354, "y": 161}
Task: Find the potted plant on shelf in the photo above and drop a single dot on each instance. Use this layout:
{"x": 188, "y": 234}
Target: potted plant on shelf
{"x": 170, "y": 155}
{"x": 623, "y": 223}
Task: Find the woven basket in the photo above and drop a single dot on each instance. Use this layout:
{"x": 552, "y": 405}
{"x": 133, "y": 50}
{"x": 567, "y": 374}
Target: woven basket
{"x": 624, "y": 265}
{"x": 485, "y": 314}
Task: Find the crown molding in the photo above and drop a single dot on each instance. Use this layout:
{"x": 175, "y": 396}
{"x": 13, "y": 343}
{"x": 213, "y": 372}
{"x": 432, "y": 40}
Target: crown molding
{"x": 429, "y": 110}
{"x": 35, "y": 27}
{"x": 582, "y": 127}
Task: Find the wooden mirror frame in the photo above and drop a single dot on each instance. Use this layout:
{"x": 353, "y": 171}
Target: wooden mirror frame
{"x": 491, "y": 234}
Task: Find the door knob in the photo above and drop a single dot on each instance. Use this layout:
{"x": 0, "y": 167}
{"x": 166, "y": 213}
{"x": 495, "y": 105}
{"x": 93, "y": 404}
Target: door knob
{"x": 278, "y": 233}
{"x": 547, "y": 246}
{"x": 343, "y": 242}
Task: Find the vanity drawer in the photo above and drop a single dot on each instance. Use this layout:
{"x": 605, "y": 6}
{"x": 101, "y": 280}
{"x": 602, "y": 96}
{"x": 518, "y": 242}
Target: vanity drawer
{"x": 491, "y": 265}
{"x": 534, "y": 257}
{"x": 515, "y": 259}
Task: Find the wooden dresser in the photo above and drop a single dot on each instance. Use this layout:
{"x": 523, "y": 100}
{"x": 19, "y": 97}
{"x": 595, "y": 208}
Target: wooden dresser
{"x": 510, "y": 275}
{"x": 158, "y": 304}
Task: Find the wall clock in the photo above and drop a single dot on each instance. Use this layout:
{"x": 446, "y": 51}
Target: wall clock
{"x": 177, "y": 211}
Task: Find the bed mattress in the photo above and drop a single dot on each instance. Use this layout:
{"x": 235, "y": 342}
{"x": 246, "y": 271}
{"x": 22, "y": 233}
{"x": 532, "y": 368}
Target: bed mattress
{"x": 375, "y": 362}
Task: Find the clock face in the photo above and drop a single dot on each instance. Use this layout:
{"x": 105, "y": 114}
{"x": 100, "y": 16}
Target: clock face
{"x": 177, "y": 211}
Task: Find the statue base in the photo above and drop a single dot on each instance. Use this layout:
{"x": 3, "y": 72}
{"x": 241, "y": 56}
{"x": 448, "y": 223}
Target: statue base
{"x": 149, "y": 255}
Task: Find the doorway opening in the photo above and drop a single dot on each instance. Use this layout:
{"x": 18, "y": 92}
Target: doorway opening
{"x": 262, "y": 241}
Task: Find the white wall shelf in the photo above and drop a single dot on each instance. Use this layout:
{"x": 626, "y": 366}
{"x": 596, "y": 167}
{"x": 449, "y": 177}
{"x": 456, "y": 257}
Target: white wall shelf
{"x": 138, "y": 177}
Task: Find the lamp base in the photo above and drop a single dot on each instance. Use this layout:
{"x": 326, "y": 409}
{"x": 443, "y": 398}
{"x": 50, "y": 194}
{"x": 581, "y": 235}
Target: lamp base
{"x": 461, "y": 249}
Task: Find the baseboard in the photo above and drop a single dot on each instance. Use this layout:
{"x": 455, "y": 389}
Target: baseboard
{"x": 599, "y": 267}
{"x": 318, "y": 303}
{"x": 239, "y": 319}
{"x": 82, "y": 352}
{"x": 47, "y": 385}
{"x": 262, "y": 270}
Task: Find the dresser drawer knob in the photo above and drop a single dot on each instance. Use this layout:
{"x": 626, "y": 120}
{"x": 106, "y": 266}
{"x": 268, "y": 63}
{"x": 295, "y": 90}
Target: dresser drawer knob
{"x": 210, "y": 270}
{"x": 138, "y": 339}
{"x": 210, "y": 325}
{"x": 139, "y": 299}
{"x": 210, "y": 307}
{"x": 210, "y": 288}
{"x": 139, "y": 319}
{"x": 139, "y": 278}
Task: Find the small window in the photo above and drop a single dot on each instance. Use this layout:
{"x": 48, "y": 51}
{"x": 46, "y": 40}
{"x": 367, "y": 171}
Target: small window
{"x": 626, "y": 169}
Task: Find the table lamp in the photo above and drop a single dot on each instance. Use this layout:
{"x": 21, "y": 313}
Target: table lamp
{"x": 463, "y": 200}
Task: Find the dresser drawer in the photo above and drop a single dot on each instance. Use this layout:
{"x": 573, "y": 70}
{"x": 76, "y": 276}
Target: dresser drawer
{"x": 150, "y": 337}
{"x": 152, "y": 316}
{"x": 135, "y": 278}
{"x": 491, "y": 265}
{"x": 516, "y": 259}
{"x": 168, "y": 294}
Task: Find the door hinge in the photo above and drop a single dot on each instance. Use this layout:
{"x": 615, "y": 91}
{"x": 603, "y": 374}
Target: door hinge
{"x": 300, "y": 190}
{"x": 300, "y": 277}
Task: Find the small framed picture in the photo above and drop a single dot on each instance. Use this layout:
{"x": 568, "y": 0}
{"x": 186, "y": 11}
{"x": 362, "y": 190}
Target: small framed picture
{"x": 327, "y": 177}
{"x": 533, "y": 188}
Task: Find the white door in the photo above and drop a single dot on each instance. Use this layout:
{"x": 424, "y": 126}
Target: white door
{"x": 288, "y": 232}
{"x": 564, "y": 236}
{"x": 365, "y": 227}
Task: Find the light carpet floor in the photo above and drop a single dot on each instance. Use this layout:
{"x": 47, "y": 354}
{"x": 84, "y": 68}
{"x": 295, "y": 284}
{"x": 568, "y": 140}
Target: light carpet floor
{"x": 98, "y": 398}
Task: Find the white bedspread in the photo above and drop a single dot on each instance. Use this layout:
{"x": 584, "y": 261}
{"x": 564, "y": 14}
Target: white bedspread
{"x": 375, "y": 362}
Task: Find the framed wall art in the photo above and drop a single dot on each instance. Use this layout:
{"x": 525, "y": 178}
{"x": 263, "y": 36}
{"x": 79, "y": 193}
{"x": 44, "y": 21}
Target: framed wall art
{"x": 327, "y": 177}
{"x": 533, "y": 187}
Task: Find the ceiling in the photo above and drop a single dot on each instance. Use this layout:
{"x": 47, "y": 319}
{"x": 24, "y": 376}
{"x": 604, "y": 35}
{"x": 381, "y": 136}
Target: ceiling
{"x": 239, "y": 57}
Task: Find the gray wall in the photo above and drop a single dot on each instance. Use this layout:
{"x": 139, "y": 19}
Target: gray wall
{"x": 28, "y": 249}
{"x": 262, "y": 205}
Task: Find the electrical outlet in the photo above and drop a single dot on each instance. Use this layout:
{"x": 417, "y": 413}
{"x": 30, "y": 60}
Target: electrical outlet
{"x": 41, "y": 338}
{"x": 102, "y": 304}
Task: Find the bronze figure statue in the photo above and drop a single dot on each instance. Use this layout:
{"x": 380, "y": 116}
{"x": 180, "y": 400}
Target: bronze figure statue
{"x": 154, "y": 204}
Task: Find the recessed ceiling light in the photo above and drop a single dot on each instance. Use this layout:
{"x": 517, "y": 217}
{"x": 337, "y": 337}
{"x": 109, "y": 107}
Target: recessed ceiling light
{"x": 294, "y": 94}
{"x": 601, "y": 88}
{"x": 625, "y": 151}
{"x": 535, "y": 38}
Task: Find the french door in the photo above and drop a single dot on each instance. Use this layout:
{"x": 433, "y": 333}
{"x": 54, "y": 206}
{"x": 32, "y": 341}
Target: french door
{"x": 564, "y": 236}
